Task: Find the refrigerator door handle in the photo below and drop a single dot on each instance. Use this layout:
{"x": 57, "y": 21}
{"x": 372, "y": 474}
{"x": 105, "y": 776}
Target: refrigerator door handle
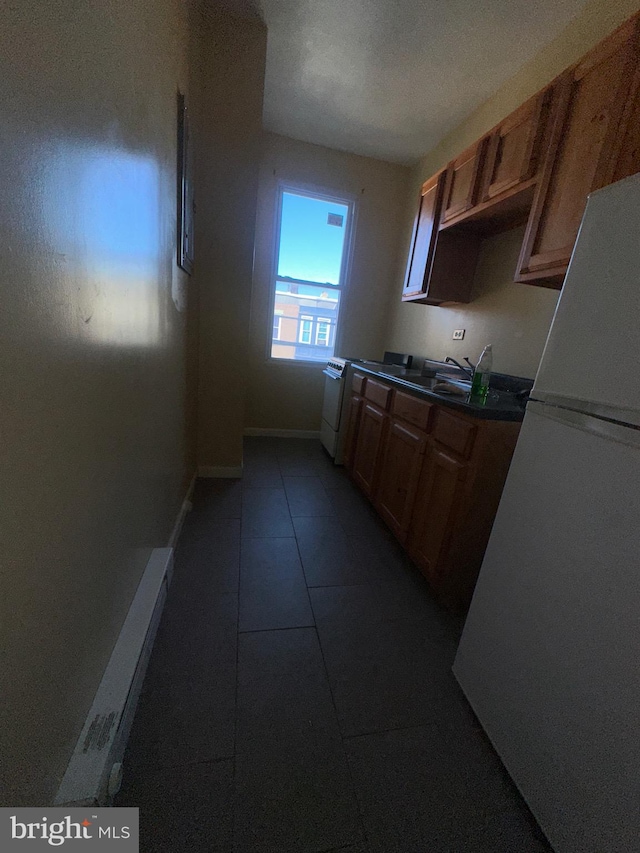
{"x": 631, "y": 417}
{"x": 609, "y": 429}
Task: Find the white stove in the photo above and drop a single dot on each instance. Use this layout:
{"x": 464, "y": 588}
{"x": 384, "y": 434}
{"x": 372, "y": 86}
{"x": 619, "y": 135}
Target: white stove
{"x": 335, "y": 398}
{"x": 333, "y": 427}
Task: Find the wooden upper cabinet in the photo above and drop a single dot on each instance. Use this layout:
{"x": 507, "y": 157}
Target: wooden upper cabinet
{"x": 425, "y": 232}
{"x": 463, "y": 181}
{"x": 628, "y": 161}
{"x": 514, "y": 146}
{"x": 592, "y": 112}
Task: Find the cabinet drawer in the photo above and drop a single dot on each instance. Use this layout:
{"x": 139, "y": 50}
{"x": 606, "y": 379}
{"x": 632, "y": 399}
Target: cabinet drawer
{"x": 455, "y": 433}
{"x": 378, "y": 393}
{"x": 358, "y": 383}
{"x": 414, "y": 411}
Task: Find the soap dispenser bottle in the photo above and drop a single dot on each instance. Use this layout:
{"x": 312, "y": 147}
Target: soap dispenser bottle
{"x": 482, "y": 374}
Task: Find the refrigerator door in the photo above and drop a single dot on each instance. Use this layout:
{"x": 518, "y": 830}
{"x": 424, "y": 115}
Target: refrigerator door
{"x": 550, "y": 654}
{"x": 590, "y": 361}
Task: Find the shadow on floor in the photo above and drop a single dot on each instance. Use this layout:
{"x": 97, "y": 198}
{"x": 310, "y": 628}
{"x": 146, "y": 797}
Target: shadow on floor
{"x": 299, "y": 697}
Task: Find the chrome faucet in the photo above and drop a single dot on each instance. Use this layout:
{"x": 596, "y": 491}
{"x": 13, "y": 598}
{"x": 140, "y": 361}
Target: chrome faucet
{"x": 468, "y": 370}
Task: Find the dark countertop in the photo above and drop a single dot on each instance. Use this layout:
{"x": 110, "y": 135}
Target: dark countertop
{"x": 500, "y": 405}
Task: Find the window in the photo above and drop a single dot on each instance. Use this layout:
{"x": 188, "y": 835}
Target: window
{"x": 277, "y": 326}
{"x": 322, "y": 332}
{"x": 310, "y": 270}
{"x": 305, "y": 330}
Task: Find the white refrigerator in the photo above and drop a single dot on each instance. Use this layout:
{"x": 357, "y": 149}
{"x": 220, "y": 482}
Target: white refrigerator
{"x": 550, "y": 654}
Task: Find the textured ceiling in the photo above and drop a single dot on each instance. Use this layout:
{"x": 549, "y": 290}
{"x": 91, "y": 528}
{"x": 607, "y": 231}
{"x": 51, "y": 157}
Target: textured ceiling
{"x": 389, "y": 78}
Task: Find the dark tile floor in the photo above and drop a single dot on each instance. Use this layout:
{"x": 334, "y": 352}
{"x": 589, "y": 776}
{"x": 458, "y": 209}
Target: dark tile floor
{"x": 300, "y": 697}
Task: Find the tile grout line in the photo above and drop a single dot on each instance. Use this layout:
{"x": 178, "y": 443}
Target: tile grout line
{"x": 234, "y": 815}
{"x": 326, "y": 672}
{"x": 271, "y": 630}
{"x": 295, "y": 537}
{"x": 344, "y": 751}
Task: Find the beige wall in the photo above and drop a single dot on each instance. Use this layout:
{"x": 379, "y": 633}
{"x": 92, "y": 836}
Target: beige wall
{"x": 289, "y": 396}
{"x": 513, "y": 317}
{"x": 231, "y": 67}
{"x": 95, "y": 420}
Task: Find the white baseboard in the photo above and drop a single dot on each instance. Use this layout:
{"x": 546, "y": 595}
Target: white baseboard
{"x": 230, "y": 472}
{"x": 282, "y": 433}
{"x": 94, "y": 771}
{"x": 182, "y": 514}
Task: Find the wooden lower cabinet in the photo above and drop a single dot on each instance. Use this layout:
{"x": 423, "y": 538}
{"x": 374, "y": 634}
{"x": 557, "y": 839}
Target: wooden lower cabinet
{"x": 436, "y": 487}
{"x": 368, "y": 447}
{"x": 400, "y": 471}
{"x": 355, "y": 408}
{"x": 436, "y": 509}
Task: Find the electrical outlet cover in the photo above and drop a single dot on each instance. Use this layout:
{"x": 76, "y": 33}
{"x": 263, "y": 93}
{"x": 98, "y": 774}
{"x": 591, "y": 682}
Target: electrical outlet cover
{"x": 458, "y": 334}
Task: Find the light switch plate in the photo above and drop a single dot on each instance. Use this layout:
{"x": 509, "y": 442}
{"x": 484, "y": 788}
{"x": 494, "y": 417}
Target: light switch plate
{"x": 458, "y": 334}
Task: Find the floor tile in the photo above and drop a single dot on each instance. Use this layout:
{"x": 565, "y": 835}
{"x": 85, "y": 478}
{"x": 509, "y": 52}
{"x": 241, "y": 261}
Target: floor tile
{"x": 327, "y": 557}
{"x": 265, "y": 512}
{"x": 303, "y": 462}
{"x": 294, "y": 801}
{"x": 387, "y": 675}
{"x": 476, "y": 757}
{"x": 414, "y": 799}
{"x": 186, "y": 711}
{"x": 261, "y": 472}
{"x": 306, "y": 497}
{"x": 356, "y": 515}
{"x": 347, "y": 605}
{"x": 273, "y": 593}
{"x": 254, "y": 445}
{"x": 218, "y": 498}
{"x": 281, "y": 701}
{"x": 283, "y": 692}
{"x": 199, "y": 527}
{"x": 307, "y": 446}
{"x": 333, "y": 476}
{"x": 205, "y": 568}
{"x": 189, "y": 810}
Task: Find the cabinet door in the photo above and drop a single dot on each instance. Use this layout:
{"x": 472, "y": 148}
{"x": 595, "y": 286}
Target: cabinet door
{"x": 368, "y": 447}
{"x": 629, "y": 157}
{"x": 585, "y": 146}
{"x": 353, "y": 422}
{"x": 437, "y": 504}
{"x": 424, "y": 237}
{"x": 514, "y": 147}
{"x": 400, "y": 472}
{"x": 463, "y": 179}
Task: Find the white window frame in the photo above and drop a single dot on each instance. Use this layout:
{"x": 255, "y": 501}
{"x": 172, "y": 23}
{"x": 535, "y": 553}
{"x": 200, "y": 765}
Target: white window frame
{"x": 350, "y": 201}
{"x": 305, "y": 318}
{"x": 327, "y": 321}
{"x": 276, "y": 327}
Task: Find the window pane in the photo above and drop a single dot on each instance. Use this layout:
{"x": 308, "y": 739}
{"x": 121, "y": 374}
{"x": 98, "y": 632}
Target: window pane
{"x": 308, "y": 316}
{"x": 305, "y": 330}
{"x": 311, "y": 238}
{"x": 322, "y": 332}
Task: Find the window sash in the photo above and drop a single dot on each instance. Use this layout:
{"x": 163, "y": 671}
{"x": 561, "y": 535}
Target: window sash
{"x": 308, "y": 327}
{"x": 325, "y": 324}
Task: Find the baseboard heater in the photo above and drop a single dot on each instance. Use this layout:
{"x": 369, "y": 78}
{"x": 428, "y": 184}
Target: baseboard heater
{"x": 94, "y": 772}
